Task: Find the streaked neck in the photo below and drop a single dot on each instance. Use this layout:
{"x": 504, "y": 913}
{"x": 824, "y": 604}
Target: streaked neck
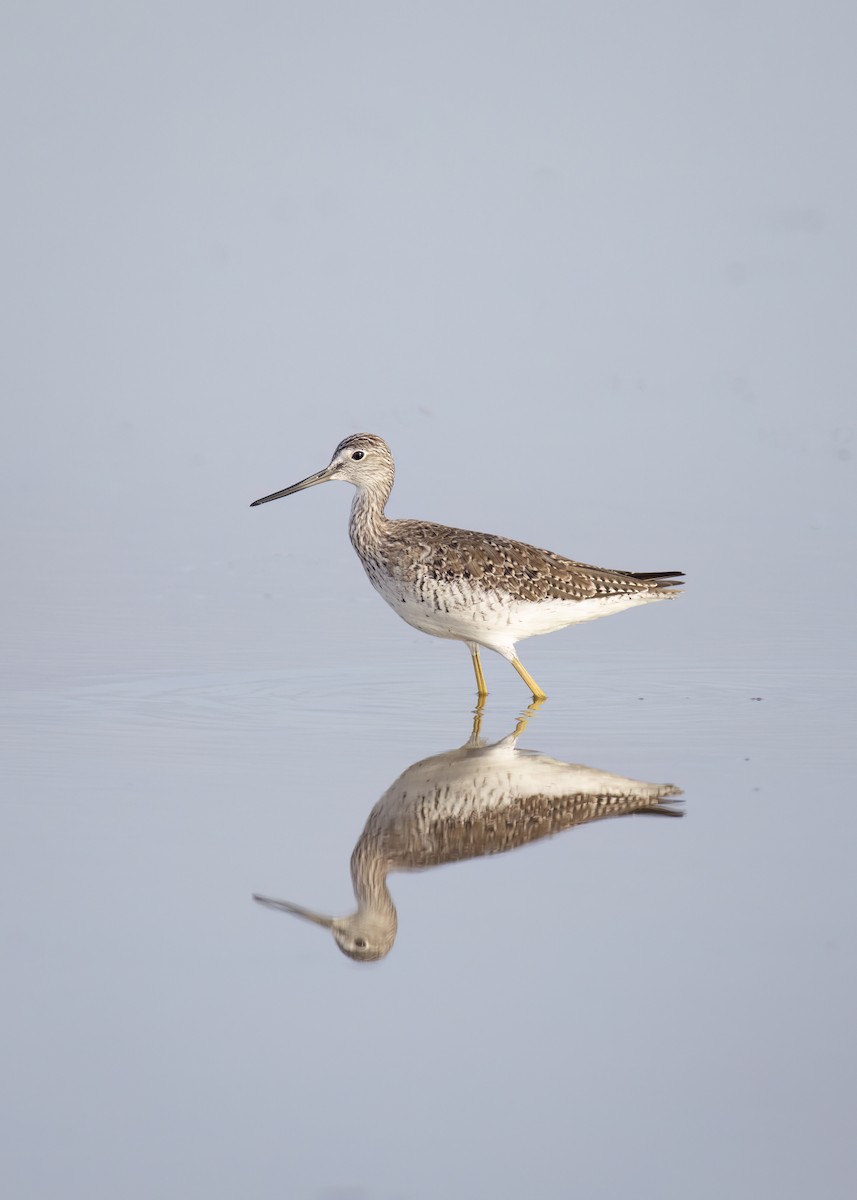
{"x": 368, "y": 522}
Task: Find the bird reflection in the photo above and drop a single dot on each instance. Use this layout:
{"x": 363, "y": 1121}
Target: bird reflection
{"x": 476, "y": 800}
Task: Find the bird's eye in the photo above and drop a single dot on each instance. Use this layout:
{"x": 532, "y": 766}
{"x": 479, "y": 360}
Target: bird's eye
{"x": 360, "y": 943}
{"x": 358, "y": 454}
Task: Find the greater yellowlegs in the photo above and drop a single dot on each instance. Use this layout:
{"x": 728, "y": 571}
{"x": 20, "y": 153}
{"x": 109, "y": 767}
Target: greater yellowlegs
{"x": 473, "y": 587}
{"x": 469, "y": 802}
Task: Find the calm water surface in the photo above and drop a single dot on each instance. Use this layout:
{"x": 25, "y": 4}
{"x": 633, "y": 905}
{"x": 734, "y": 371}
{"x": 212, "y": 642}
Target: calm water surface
{"x": 619, "y": 975}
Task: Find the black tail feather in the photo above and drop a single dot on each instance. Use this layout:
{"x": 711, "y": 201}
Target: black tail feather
{"x": 660, "y": 579}
{"x": 656, "y": 574}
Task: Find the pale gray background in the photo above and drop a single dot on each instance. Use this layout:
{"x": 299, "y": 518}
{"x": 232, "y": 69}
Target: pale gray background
{"x": 590, "y": 269}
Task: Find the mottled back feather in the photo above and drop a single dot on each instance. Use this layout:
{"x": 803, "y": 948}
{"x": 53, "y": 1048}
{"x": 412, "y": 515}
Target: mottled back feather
{"x": 522, "y": 571}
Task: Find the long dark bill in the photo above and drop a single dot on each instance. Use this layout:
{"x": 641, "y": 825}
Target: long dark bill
{"x": 310, "y": 481}
{"x": 295, "y": 909}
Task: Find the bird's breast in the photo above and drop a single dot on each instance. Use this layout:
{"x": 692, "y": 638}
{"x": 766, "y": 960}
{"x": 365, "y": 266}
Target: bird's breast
{"x": 451, "y": 607}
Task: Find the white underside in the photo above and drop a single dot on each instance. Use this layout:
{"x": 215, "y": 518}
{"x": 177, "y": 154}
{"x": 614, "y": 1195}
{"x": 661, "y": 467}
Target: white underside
{"x": 471, "y": 782}
{"x": 498, "y": 625}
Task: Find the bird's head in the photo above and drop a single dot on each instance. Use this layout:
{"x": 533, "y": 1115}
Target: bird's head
{"x": 363, "y": 459}
{"x": 365, "y": 935}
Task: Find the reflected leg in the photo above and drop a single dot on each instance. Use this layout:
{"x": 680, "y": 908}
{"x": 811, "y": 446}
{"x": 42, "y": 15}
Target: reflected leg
{"x": 475, "y": 734}
{"x": 528, "y": 712}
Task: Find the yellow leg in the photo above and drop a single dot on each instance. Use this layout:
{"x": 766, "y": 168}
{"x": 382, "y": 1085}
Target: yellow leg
{"x": 538, "y": 694}
{"x": 481, "y": 689}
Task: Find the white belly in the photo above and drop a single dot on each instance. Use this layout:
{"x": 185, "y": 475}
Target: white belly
{"x": 457, "y": 610}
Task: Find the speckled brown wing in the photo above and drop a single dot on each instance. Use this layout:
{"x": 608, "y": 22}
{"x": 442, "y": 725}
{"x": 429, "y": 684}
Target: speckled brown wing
{"x": 432, "y": 836}
{"x": 524, "y": 572}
